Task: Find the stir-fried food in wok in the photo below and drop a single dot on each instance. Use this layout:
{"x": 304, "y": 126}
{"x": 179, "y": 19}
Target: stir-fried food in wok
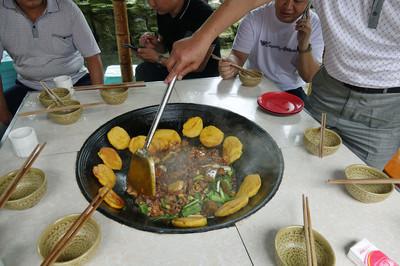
{"x": 189, "y": 180}
{"x": 193, "y": 182}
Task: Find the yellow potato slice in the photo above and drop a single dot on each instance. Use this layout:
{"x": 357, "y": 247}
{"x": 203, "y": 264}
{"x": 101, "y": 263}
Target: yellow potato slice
{"x": 232, "y": 206}
{"x": 164, "y": 139}
{"x": 110, "y": 157}
{"x": 112, "y": 199}
{"x": 137, "y": 143}
{"x": 250, "y": 186}
{"x": 105, "y": 175}
{"x": 192, "y": 127}
{"x": 211, "y": 136}
{"x": 232, "y": 149}
{"x": 118, "y": 138}
{"x": 190, "y": 221}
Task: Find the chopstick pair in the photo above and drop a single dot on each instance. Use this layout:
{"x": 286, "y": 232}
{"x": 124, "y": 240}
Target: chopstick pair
{"x": 246, "y": 71}
{"x": 21, "y": 172}
{"x": 322, "y": 136}
{"x": 75, "y": 227}
{"x": 110, "y": 86}
{"x": 308, "y": 234}
{"x": 61, "y": 108}
{"x": 52, "y": 95}
{"x": 363, "y": 181}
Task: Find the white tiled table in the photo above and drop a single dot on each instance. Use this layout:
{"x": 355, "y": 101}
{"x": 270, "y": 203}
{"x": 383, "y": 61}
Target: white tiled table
{"x": 336, "y": 215}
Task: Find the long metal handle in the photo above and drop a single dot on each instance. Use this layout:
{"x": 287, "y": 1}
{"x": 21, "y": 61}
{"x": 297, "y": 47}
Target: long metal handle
{"x": 159, "y": 113}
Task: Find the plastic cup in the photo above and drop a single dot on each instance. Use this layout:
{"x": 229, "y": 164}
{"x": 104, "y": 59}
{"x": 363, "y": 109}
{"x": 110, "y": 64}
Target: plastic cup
{"x": 23, "y": 140}
{"x": 64, "y": 82}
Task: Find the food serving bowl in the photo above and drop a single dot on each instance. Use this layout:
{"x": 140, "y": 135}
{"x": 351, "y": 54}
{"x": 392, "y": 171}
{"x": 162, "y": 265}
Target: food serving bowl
{"x": 29, "y": 191}
{"x": 332, "y": 141}
{"x": 290, "y": 247}
{"x": 261, "y": 155}
{"x": 46, "y": 100}
{"x": 114, "y": 96}
{"x": 367, "y": 193}
{"x": 79, "y": 250}
{"x": 67, "y": 116}
{"x": 250, "y": 80}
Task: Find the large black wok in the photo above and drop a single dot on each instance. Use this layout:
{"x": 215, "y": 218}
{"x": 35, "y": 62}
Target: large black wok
{"x": 261, "y": 155}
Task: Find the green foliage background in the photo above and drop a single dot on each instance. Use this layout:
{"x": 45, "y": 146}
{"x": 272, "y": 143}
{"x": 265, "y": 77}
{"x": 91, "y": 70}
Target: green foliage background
{"x": 99, "y": 14}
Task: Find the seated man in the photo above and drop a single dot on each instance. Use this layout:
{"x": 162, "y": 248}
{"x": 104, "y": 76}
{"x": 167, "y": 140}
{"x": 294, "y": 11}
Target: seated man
{"x": 45, "y": 38}
{"x": 275, "y": 40}
{"x": 176, "y": 19}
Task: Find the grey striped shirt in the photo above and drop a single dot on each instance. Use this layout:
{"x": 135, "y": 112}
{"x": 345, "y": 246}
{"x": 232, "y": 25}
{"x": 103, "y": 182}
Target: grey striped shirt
{"x": 53, "y": 45}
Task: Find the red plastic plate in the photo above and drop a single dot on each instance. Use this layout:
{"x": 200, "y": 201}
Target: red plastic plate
{"x": 281, "y": 103}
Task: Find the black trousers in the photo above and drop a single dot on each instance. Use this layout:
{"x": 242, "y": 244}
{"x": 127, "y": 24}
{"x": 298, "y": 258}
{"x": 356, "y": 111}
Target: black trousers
{"x": 16, "y": 94}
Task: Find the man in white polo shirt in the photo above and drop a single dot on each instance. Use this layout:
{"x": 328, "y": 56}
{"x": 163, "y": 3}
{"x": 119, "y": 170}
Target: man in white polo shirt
{"x": 45, "y": 38}
{"x": 359, "y": 87}
{"x": 276, "y": 40}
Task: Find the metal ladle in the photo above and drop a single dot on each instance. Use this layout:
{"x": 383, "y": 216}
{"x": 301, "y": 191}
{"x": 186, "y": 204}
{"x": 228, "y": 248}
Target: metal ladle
{"x": 141, "y": 174}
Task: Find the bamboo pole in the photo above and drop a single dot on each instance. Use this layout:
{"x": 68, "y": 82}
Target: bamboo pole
{"x": 122, "y": 34}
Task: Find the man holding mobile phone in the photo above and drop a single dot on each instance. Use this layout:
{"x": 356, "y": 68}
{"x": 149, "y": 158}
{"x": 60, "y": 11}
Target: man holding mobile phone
{"x": 283, "y": 40}
{"x": 176, "y": 20}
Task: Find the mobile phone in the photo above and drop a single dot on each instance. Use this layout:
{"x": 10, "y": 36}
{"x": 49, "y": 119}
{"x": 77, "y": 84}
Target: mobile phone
{"x": 128, "y": 45}
{"x": 305, "y": 13}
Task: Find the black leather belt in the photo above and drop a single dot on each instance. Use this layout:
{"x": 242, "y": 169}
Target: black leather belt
{"x": 371, "y": 90}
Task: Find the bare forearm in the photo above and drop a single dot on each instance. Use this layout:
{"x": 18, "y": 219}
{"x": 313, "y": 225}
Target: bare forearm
{"x": 307, "y": 66}
{"x": 227, "y": 14}
{"x": 237, "y": 57}
{"x": 95, "y": 67}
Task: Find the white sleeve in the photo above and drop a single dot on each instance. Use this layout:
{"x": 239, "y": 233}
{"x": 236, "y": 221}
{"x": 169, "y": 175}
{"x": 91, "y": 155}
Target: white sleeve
{"x": 317, "y": 41}
{"x": 246, "y": 34}
{"x": 82, "y": 34}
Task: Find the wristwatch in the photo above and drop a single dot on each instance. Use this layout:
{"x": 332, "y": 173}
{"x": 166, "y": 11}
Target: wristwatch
{"x": 309, "y": 49}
